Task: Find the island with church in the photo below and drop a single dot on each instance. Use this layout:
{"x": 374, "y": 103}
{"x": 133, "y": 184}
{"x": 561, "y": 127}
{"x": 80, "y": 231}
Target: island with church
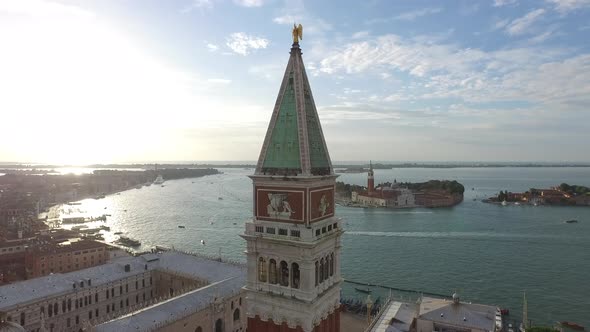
{"x": 399, "y": 195}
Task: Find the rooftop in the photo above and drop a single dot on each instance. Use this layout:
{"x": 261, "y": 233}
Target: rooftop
{"x": 477, "y": 316}
{"x": 171, "y": 310}
{"x": 28, "y": 291}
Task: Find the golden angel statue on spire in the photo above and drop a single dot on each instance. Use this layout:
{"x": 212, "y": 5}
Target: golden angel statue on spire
{"x": 297, "y": 33}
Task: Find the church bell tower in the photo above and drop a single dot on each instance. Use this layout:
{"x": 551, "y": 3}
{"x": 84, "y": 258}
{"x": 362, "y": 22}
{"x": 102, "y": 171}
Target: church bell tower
{"x": 293, "y": 239}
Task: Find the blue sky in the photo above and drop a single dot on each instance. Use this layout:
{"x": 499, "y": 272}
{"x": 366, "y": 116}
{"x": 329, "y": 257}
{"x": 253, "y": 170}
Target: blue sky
{"x": 123, "y": 81}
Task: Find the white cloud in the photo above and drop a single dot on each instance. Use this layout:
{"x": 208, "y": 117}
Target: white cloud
{"x": 241, "y": 43}
{"x": 407, "y": 16}
{"x": 198, "y": 4}
{"x": 219, "y": 81}
{"x": 500, "y": 3}
{"x": 249, "y": 3}
{"x": 40, "y": 9}
{"x": 521, "y": 25}
{"x": 565, "y": 6}
{"x": 312, "y": 25}
{"x": 412, "y": 15}
{"x": 212, "y": 47}
{"x": 360, "y": 34}
{"x": 439, "y": 70}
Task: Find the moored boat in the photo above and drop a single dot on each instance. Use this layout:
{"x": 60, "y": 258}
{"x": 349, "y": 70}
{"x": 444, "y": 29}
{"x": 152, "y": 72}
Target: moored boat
{"x": 128, "y": 242}
{"x": 362, "y": 290}
{"x": 572, "y": 325}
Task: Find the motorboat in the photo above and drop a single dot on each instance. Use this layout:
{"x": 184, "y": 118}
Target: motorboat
{"x": 362, "y": 290}
{"x": 128, "y": 242}
{"x": 571, "y": 221}
{"x": 203, "y": 242}
{"x": 181, "y": 226}
{"x": 159, "y": 179}
{"x": 504, "y": 203}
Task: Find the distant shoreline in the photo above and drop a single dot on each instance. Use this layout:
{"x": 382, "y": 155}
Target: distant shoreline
{"x": 337, "y": 167}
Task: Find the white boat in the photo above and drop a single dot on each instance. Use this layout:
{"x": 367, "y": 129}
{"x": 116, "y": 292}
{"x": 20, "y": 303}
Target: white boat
{"x": 159, "y": 179}
{"x": 516, "y": 203}
{"x": 504, "y": 203}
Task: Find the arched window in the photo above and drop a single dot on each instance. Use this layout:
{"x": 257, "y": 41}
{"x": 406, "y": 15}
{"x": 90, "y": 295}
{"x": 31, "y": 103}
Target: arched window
{"x": 55, "y": 308}
{"x": 236, "y": 315}
{"x": 199, "y": 329}
{"x": 272, "y": 273}
{"x": 295, "y": 275}
{"x": 317, "y": 272}
{"x": 284, "y": 276}
{"x": 321, "y": 270}
{"x": 261, "y": 269}
{"x": 326, "y": 267}
{"x": 331, "y": 264}
{"x": 219, "y": 325}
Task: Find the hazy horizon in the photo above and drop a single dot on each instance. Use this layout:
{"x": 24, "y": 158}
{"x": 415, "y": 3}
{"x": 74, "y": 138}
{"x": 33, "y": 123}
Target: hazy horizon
{"x": 128, "y": 81}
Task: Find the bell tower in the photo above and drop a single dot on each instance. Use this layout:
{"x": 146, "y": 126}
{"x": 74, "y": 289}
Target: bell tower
{"x": 293, "y": 238}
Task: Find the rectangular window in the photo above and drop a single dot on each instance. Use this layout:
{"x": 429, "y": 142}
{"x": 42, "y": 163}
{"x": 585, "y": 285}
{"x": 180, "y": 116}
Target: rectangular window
{"x": 96, "y": 297}
{"x": 107, "y": 292}
{"x": 259, "y": 229}
{"x": 77, "y": 319}
{"x": 136, "y": 284}
{"x": 329, "y": 228}
{"x": 270, "y": 230}
{"x": 96, "y": 312}
{"x": 295, "y": 233}
{"x": 90, "y": 314}
{"x": 126, "y": 288}
{"x": 317, "y": 232}
{"x": 120, "y": 289}
{"x": 142, "y": 283}
{"x": 282, "y": 231}
{"x": 108, "y": 309}
{"x": 323, "y": 230}
{"x": 335, "y": 225}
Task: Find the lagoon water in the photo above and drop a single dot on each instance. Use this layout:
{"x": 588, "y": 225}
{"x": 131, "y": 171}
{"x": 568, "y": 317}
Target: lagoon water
{"x": 488, "y": 253}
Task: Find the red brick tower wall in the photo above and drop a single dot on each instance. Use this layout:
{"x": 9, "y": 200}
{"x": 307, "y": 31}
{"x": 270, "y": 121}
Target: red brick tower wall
{"x": 330, "y": 324}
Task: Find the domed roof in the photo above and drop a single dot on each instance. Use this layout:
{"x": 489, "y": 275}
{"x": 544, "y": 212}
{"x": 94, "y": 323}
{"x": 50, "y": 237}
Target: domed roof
{"x": 10, "y": 327}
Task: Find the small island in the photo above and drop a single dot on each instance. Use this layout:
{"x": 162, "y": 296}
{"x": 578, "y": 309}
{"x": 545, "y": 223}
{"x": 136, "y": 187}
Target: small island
{"x": 399, "y": 195}
{"x": 562, "y": 195}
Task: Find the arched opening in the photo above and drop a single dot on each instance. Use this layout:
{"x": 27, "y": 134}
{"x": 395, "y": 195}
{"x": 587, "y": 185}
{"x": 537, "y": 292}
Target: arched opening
{"x": 331, "y": 264}
{"x": 321, "y": 270}
{"x": 326, "y": 268}
{"x": 284, "y": 277}
{"x": 295, "y": 275}
{"x": 219, "y": 325}
{"x": 236, "y": 315}
{"x": 199, "y": 329}
{"x": 272, "y": 275}
{"x": 317, "y": 272}
{"x": 261, "y": 269}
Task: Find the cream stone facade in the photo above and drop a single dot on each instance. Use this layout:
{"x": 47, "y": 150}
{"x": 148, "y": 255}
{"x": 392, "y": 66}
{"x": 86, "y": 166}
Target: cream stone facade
{"x": 137, "y": 287}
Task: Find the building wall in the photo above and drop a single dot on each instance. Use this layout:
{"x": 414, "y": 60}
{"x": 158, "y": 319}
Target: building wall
{"x": 85, "y": 303}
{"x": 41, "y": 263}
{"x": 329, "y": 324}
{"x": 168, "y": 284}
{"x": 230, "y": 312}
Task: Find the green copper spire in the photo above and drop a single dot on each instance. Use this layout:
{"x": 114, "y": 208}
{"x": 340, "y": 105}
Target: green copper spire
{"x": 294, "y": 143}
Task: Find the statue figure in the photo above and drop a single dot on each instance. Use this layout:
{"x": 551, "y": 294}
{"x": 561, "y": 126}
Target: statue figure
{"x": 324, "y": 205}
{"x": 297, "y": 33}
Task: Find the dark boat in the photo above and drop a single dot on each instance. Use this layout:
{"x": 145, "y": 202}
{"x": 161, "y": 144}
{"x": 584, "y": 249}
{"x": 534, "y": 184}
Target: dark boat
{"x": 504, "y": 312}
{"x": 571, "y": 221}
{"x": 180, "y": 226}
{"x": 572, "y": 325}
{"x": 366, "y": 291}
